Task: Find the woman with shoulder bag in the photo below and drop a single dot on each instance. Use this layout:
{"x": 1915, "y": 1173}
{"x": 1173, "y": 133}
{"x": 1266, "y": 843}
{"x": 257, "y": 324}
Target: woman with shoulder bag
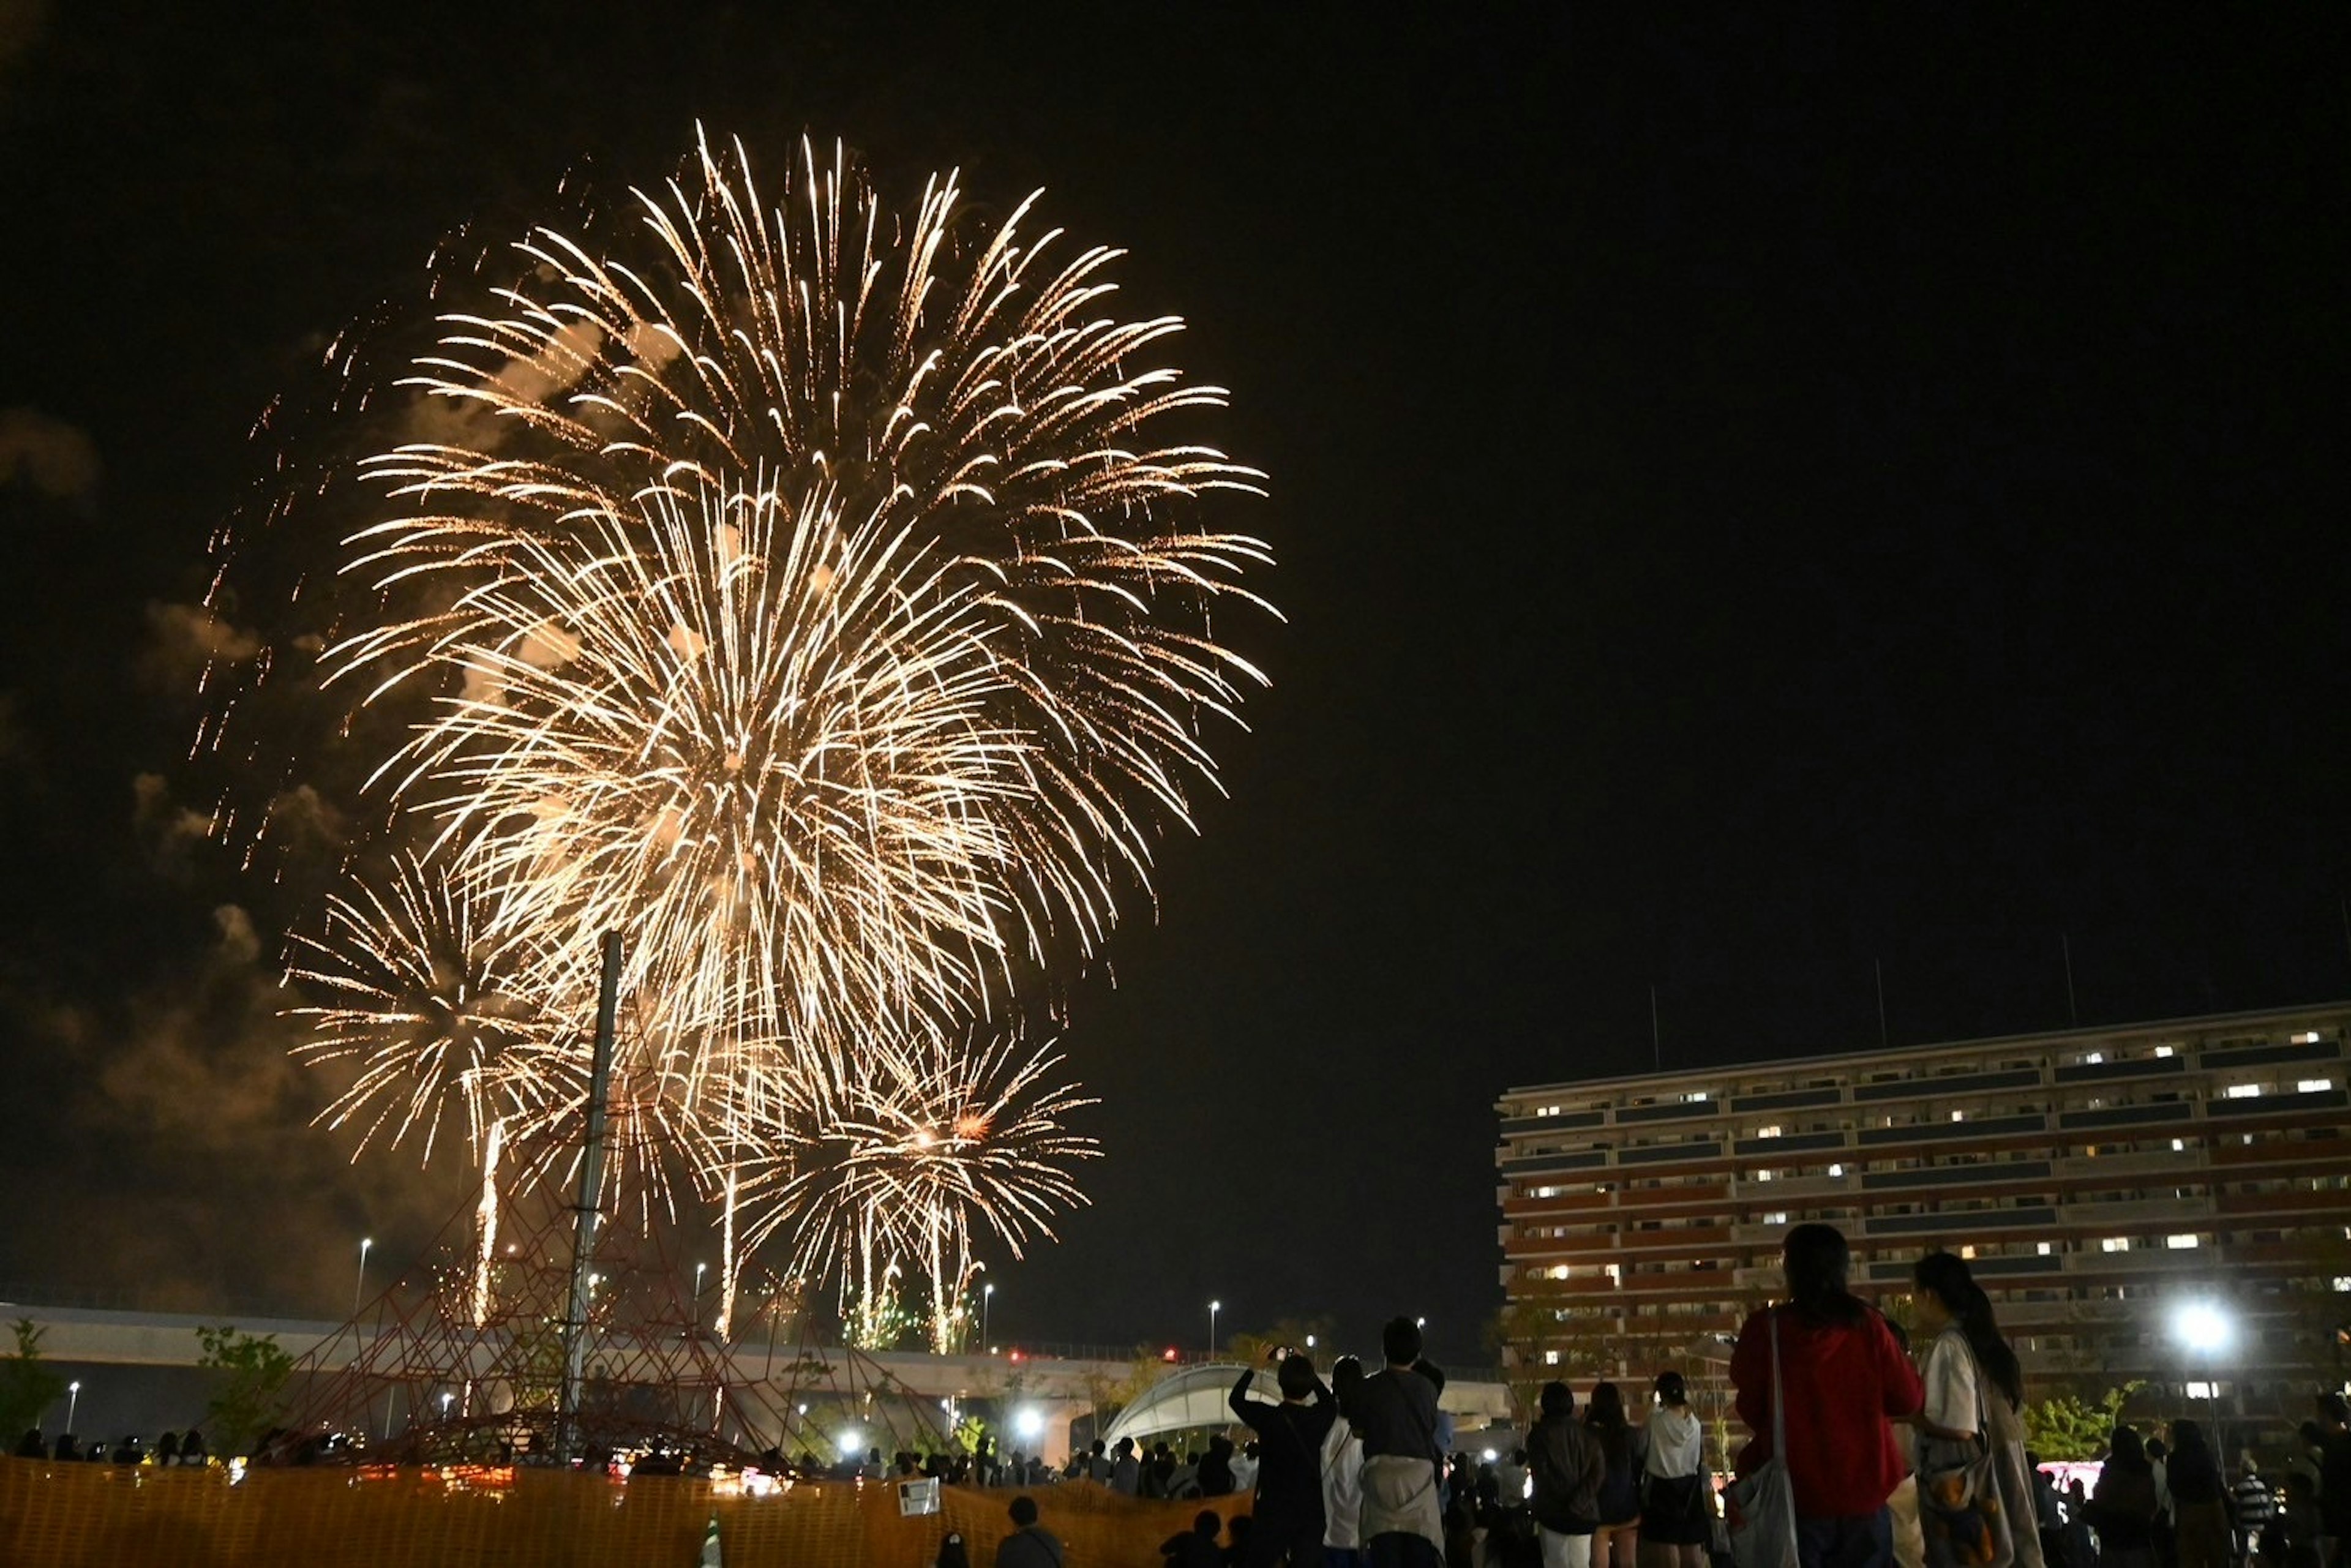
{"x": 1677, "y": 1495}
{"x": 1974, "y": 1390}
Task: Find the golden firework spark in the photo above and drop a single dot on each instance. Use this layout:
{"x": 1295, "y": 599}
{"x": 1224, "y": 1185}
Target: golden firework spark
{"x": 818, "y": 595}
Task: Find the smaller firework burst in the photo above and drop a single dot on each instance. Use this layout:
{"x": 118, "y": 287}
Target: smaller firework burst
{"x": 908, "y": 1161}
{"x": 436, "y": 1004}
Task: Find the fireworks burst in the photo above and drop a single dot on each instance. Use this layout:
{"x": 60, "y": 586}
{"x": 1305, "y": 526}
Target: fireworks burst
{"x": 813, "y": 594}
{"x": 906, "y": 1157}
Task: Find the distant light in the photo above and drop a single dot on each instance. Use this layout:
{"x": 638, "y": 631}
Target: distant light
{"x": 1029, "y": 1422}
{"x": 1491, "y": 1455}
{"x": 1309, "y": 1342}
{"x": 852, "y": 1442}
{"x": 2203, "y": 1327}
{"x": 1836, "y": 1170}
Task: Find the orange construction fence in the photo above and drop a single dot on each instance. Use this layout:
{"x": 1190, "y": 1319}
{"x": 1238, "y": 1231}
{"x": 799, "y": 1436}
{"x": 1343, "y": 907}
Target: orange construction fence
{"x": 69, "y": 1515}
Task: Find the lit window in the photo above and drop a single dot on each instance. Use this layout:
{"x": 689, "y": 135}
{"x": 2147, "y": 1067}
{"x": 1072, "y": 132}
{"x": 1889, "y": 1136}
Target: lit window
{"x": 2312, "y": 1085}
{"x": 2095, "y": 1058}
{"x": 1615, "y": 1274}
{"x": 1959, "y": 1115}
{"x": 2179, "y": 1242}
{"x": 2310, "y": 1039}
{"x": 1836, "y": 1170}
{"x": 1696, "y": 1095}
{"x": 1762, "y": 1176}
{"x": 2178, "y": 1145}
{"x": 2114, "y": 1244}
{"x": 2343, "y": 1281}
{"x": 1771, "y": 1131}
{"x": 2244, "y": 1092}
{"x": 2164, "y": 1051}
{"x": 1559, "y": 1270}
{"x": 2042, "y": 1248}
{"x": 1551, "y": 1358}
{"x": 1546, "y": 1192}
{"x": 2201, "y": 1391}
{"x": 1968, "y": 1250}
{"x": 1777, "y": 1217}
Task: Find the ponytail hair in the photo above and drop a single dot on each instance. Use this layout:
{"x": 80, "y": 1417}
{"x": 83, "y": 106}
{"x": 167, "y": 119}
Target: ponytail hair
{"x": 1949, "y": 1281}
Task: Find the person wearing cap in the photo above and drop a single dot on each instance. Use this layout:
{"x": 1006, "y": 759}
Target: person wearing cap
{"x": 2254, "y": 1506}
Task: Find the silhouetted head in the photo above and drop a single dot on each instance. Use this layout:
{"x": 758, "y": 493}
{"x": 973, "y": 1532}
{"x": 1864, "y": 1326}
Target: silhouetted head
{"x": 1818, "y": 1263}
{"x": 1671, "y": 1390}
{"x": 1557, "y": 1399}
{"x": 1607, "y": 1407}
{"x": 1296, "y": 1377}
{"x": 1400, "y": 1342}
{"x": 1207, "y": 1523}
{"x": 1023, "y": 1511}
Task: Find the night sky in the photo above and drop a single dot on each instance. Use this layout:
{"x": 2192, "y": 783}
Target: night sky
{"x": 1755, "y": 495}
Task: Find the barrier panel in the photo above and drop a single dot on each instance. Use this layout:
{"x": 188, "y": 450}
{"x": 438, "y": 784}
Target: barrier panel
{"x": 105, "y": 1516}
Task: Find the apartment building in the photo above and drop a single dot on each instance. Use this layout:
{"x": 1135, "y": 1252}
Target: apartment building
{"x": 2167, "y": 1201}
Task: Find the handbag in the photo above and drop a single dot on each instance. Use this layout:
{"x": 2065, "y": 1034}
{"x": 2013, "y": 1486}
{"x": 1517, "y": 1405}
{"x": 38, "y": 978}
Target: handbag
{"x": 1960, "y": 1510}
{"x": 1763, "y": 1501}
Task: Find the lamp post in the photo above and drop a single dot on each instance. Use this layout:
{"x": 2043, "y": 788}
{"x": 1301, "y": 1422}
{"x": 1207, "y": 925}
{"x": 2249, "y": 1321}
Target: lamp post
{"x": 358, "y": 1286}
{"x": 2206, "y": 1331}
{"x": 1214, "y": 1307}
{"x": 73, "y": 1402}
{"x": 986, "y": 1291}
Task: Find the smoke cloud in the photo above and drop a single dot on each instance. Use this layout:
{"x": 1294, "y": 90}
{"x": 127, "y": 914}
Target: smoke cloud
{"x": 52, "y": 457}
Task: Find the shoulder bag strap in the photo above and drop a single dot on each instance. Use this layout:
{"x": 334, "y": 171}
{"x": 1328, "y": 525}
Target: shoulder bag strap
{"x": 1779, "y": 1403}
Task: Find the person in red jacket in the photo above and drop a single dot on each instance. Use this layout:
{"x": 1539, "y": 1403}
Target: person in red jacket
{"x": 1844, "y": 1379}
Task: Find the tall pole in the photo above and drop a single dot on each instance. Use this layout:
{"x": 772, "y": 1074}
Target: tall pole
{"x": 591, "y": 1181}
{"x": 1656, "y": 1040}
{"x": 2073, "y": 1013}
{"x": 358, "y": 1286}
{"x": 1878, "y": 967}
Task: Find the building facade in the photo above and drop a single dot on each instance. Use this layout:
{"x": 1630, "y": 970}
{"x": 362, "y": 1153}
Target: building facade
{"x": 2167, "y": 1202}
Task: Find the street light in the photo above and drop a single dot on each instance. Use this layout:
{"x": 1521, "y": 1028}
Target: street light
{"x": 73, "y": 1402}
{"x": 1214, "y": 1307}
{"x": 985, "y": 1293}
{"x": 2206, "y": 1331}
{"x": 358, "y": 1286}
{"x": 698, "y": 1270}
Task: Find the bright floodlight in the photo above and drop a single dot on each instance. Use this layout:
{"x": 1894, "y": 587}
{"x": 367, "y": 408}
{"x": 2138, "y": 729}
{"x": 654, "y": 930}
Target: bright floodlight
{"x": 2202, "y": 1327}
{"x": 1029, "y": 1422}
{"x": 852, "y": 1444}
